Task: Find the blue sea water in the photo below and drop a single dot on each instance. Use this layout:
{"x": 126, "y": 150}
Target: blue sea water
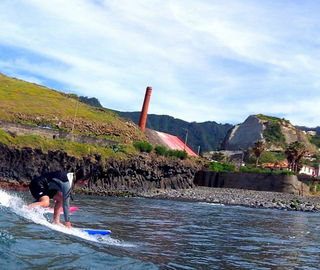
{"x": 157, "y": 234}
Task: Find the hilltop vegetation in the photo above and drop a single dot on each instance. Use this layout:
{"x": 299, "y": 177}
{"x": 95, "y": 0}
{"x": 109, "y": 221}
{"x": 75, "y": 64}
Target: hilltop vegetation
{"x": 273, "y": 133}
{"x": 33, "y": 104}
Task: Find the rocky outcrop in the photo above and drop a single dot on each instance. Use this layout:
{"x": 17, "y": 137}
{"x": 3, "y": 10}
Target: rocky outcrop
{"x": 243, "y": 136}
{"x": 293, "y": 134}
{"x": 137, "y": 173}
{"x": 276, "y": 132}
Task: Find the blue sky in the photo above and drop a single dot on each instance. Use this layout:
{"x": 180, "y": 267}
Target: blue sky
{"x": 205, "y": 60}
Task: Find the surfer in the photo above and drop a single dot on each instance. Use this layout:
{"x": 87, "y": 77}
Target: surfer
{"x": 58, "y": 186}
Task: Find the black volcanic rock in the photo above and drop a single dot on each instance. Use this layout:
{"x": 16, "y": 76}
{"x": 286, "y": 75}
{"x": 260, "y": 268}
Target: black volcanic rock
{"x": 138, "y": 173}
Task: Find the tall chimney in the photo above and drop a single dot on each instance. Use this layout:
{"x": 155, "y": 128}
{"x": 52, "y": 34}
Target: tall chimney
{"x": 144, "y": 112}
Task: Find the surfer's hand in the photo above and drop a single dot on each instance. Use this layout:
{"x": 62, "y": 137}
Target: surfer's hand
{"x": 68, "y": 224}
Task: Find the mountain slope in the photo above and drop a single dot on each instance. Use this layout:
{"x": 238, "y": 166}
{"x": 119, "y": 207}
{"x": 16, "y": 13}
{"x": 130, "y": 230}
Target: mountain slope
{"x": 207, "y": 135}
{"x": 33, "y": 104}
{"x": 276, "y": 132}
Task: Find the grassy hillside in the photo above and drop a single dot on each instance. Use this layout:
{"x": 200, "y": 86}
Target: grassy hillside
{"x": 32, "y": 104}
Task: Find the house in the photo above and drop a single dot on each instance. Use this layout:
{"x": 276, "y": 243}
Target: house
{"x": 309, "y": 156}
{"x": 308, "y": 170}
{"x": 312, "y": 133}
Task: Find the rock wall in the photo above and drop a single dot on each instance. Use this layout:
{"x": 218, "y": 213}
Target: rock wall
{"x": 139, "y": 173}
{"x": 252, "y": 181}
{"x": 16, "y": 129}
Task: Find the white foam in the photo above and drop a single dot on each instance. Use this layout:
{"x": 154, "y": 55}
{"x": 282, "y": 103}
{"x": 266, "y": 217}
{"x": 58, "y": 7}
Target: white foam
{"x": 212, "y": 204}
{"x": 36, "y": 215}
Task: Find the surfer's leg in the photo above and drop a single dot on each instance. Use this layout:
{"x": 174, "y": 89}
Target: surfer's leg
{"x": 57, "y": 207}
{"x": 43, "y": 201}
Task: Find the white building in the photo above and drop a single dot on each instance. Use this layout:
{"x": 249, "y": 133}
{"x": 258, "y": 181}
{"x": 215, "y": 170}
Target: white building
{"x": 308, "y": 170}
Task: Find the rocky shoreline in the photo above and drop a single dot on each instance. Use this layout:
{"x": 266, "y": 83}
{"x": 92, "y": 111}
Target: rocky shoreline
{"x": 240, "y": 197}
{"x": 225, "y": 196}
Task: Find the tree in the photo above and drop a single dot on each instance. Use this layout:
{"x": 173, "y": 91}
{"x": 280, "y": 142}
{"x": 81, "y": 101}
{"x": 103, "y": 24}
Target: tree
{"x": 258, "y": 148}
{"x": 294, "y": 153}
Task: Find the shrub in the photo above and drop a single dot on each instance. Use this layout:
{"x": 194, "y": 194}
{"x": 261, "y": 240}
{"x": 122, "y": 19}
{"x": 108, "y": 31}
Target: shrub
{"x": 246, "y": 169}
{"x": 161, "y": 150}
{"x": 143, "y": 146}
{"x": 177, "y": 153}
{"x": 221, "y": 167}
{"x": 250, "y": 169}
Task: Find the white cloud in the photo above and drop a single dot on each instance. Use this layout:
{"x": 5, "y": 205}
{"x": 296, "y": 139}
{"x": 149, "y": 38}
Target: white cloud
{"x": 206, "y": 60}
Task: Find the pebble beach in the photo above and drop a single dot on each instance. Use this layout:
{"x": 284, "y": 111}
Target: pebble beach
{"x": 240, "y": 197}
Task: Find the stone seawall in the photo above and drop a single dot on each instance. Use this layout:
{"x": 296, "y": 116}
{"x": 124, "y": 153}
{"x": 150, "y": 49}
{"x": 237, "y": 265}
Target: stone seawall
{"x": 16, "y": 129}
{"x": 252, "y": 181}
{"x": 139, "y": 173}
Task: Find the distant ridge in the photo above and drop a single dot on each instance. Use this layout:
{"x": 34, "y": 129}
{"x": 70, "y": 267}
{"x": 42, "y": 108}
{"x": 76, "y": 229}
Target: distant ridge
{"x": 91, "y": 101}
{"x": 304, "y": 128}
{"x": 208, "y": 135}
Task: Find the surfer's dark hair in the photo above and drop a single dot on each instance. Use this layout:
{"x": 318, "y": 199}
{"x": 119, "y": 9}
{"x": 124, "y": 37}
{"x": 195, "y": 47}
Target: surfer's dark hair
{"x": 80, "y": 174}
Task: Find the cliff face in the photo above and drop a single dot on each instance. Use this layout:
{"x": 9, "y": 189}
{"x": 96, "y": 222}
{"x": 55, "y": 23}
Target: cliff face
{"x": 136, "y": 174}
{"x": 244, "y": 135}
{"x": 293, "y": 134}
{"x": 277, "y": 133}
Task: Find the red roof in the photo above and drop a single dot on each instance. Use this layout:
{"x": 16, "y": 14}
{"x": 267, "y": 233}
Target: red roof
{"x": 174, "y": 142}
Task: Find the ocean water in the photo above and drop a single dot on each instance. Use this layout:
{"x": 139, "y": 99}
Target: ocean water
{"x": 156, "y": 234}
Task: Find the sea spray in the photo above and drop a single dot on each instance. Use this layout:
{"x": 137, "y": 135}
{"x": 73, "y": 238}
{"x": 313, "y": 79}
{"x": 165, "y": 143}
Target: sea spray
{"x": 37, "y": 215}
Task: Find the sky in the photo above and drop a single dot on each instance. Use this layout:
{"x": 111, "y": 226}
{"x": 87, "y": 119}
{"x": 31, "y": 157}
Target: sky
{"x": 206, "y": 60}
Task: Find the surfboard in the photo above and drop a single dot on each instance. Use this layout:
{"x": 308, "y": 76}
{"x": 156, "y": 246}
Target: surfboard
{"x": 95, "y": 231}
{"x": 72, "y": 209}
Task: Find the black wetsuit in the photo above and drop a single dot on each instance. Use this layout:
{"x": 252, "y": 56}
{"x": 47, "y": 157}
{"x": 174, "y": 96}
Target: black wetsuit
{"x": 49, "y": 184}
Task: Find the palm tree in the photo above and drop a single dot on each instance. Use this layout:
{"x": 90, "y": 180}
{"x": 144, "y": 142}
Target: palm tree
{"x": 258, "y": 148}
{"x": 294, "y": 153}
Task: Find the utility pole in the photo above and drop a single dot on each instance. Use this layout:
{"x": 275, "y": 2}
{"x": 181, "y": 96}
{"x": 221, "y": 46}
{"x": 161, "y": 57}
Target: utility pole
{"x": 75, "y": 115}
{"x": 186, "y": 139}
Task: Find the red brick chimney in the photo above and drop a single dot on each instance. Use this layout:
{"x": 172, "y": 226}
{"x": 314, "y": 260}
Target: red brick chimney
{"x": 144, "y": 112}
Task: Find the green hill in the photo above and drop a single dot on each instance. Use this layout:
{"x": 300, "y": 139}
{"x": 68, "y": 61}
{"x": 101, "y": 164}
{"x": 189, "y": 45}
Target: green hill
{"x": 32, "y": 104}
